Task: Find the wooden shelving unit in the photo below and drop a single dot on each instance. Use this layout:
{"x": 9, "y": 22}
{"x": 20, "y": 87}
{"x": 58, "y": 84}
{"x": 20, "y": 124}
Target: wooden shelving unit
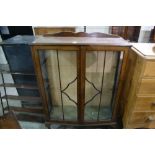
{"x": 31, "y": 107}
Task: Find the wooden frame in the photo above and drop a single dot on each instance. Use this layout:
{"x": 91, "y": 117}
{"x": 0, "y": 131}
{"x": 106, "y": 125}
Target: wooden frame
{"x": 81, "y": 63}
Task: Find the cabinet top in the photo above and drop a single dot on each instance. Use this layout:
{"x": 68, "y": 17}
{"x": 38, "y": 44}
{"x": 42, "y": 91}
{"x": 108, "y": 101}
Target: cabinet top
{"x": 145, "y": 50}
{"x": 79, "y": 41}
{"x": 41, "y": 40}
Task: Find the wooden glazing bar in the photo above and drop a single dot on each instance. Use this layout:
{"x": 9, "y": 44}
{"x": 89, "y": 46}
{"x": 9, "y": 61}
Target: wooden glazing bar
{"x": 81, "y": 71}
{"x": 101, "y": 86}
{"x": 62, "y": 104}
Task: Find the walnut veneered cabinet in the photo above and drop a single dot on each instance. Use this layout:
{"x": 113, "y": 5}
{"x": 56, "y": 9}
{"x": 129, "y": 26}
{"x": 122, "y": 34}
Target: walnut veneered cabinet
{"x": 80, "y": 78}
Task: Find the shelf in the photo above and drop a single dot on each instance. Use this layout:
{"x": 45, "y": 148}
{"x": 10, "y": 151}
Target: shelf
{"x": 30, "y": 105}
{"x": 22, "y": 98}
{"x": 21, "y": 109}
{"x": 23, "y": 86}
{"x": 30, "y": 118}
{"x": 17, "y": 73}
{"x": 4, "y": 68}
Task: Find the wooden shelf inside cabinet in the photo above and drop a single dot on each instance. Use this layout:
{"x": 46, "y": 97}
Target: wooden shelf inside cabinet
{"x": 30, "y": 118}
{"x": 17, "y": 73}
{"x": 23, "y": 86}
{"x": 32, "y": 104}
{"x": 38, "y": 110}
{"x": 4, "y": 68}
{"x": 22, "y": 98}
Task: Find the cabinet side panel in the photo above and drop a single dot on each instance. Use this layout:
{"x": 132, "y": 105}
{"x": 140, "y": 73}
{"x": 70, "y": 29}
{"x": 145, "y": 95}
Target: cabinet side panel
{"x": 134, "y": 68}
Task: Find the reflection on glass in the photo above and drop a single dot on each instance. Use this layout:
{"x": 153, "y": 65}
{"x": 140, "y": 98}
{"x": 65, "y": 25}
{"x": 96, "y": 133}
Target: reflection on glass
{"x": 100, "y": 78}
{"x": 59, "y": 73}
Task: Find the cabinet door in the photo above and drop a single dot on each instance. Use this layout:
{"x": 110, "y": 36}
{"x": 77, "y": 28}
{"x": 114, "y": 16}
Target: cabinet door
{"x": 80, "y": 85}
{"x": 102, "y": 68}
{"x": 59, "y": 72}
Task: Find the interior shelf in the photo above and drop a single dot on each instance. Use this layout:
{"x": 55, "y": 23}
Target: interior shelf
{"x": 4, "y": 68}
{"x": 23, "y": 86}
{"x": 22, "y": 98}
{"x": 30, "y": 117}
{"x": 22, "y": 109}
{"x": 31, "y": 104}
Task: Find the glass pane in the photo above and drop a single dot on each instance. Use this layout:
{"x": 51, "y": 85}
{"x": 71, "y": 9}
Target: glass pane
{"x": 60, "y": 78}
{"x": 100, "y": 79}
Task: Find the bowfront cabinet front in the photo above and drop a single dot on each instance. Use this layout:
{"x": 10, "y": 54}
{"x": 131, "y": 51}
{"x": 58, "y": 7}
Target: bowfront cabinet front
{"x": 80, "y": 79}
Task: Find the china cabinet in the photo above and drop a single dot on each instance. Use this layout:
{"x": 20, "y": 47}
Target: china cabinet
{"x": 80, "y": 78}
{"x": 89, "y": 79}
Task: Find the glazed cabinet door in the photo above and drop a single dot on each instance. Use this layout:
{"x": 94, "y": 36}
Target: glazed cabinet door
{"x": 101, "y": 79}
{"x": 58, "y": 70}
{"x": 77, "y": 83}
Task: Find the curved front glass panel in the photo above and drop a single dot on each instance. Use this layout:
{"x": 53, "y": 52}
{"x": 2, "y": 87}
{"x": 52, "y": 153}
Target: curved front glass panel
{"x": 100, "y": 83}
{"x": 59, "y": 70}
